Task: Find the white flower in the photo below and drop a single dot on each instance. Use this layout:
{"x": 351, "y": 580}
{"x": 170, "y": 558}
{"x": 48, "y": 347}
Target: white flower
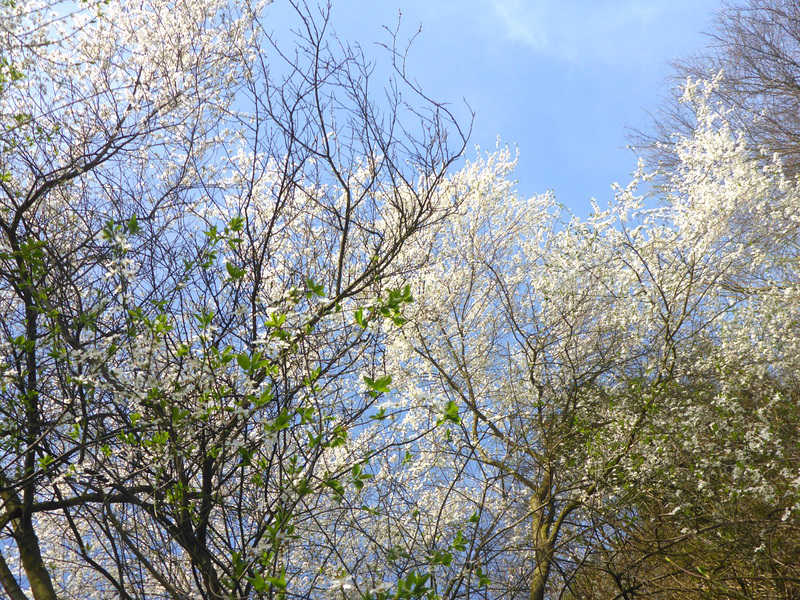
{"x": 343, "y": 583}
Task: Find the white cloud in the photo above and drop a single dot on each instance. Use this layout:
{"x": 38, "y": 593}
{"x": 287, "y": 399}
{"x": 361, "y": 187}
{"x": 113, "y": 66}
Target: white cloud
{"x": 523, "y": 24}
{"x": 606, "y": 30}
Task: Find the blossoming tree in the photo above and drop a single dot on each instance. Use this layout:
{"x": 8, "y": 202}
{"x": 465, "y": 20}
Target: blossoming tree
{"x": 615, "y": 395}
{"x": 257, "y": 340}
{"x": 197, "y": 223}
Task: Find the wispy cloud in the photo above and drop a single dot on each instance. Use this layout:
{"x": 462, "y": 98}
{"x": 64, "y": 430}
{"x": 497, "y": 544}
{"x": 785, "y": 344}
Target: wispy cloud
{"x": 606, "y": 30}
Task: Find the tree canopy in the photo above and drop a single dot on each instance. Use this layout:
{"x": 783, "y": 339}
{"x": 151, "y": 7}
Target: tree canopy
{"x": 262, "y": 337}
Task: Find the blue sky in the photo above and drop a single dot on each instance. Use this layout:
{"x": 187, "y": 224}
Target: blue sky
{"x": 559, "y": 79}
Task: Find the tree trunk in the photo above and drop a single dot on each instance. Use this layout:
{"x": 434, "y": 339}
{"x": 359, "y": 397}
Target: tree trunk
{"x": 30, "y": 554}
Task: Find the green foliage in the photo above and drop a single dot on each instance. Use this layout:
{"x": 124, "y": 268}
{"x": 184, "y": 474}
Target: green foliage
{"x": 378, "y": 386}
{"x": 449, "y": 414}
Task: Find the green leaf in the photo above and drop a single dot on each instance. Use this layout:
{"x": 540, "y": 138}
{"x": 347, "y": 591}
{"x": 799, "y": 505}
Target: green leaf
{"x": 359, "y": 317}
{"x": 236, "y": 224}
{"x": 450, "y": 414}
{"x": 133, "y": 225}
{"x": 378, "y": 386}
{"x": 413, "y": 586}
{"x": 336, "y": 486}
{"x": 259, "y": 583}
{"x": 338, "y": 437}
{"x": 281, "y": 421}
{"x": 205, "y": 319}
{"x": 279, "y": 581}
{"x": 246, "y": 457}
{"x": 306, "y": 414}
{"x": 275, "y": 320}
{"x": 483, "y": 580}
{"x": 396, "y": 553}
{"x": 244, "y": 361}
{"x": 459, "y": 543}
{"x": 314, "y": 288}
{"x": 441, "y": 557}
{"x": 314, "y": 440}
{"x": 303, "y": 488}
{"x": 234, "y": 271}
{"x": 212, "y": 233}
{"x": 178, "y": 415}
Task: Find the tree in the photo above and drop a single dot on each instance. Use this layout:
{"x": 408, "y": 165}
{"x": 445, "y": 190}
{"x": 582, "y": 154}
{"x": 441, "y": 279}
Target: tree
{"x": 258, "y": 341}
{"x": 754, "y": 47}
{"x": 534, "y": 325}
{"x": 753, "y": 62}
{"x": 198, "y": 224}
{"x": 722, "y": 516}
{"x": 745, "y": 551}
{"x": 617, "y": 390}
